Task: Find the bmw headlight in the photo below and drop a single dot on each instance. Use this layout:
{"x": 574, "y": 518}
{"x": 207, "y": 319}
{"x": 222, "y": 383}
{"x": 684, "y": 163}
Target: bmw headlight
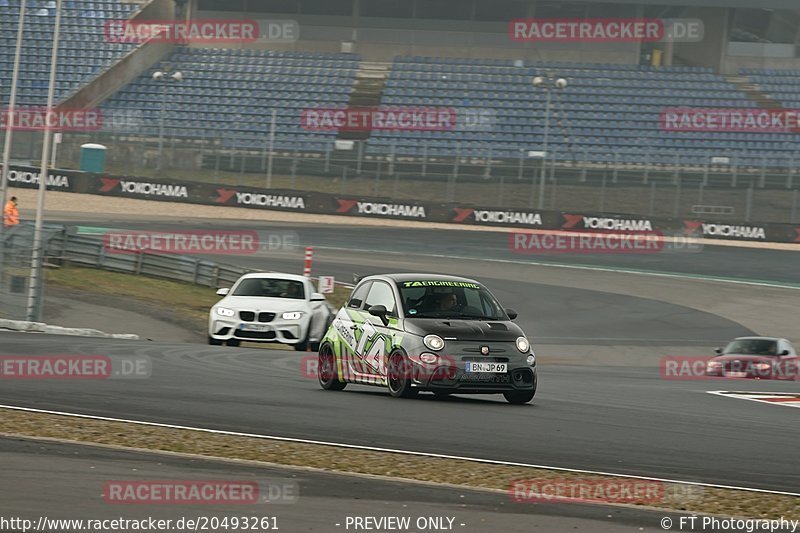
{"x": 523, "y": 345}
{"x": 292, "y": 315}
{"x": 433, "y": 342}
{"x": 224, "y": 311}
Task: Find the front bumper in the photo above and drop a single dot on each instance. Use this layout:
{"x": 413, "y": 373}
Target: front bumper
{"x": 457, "y": 379}
{"x": 276, "y": 331}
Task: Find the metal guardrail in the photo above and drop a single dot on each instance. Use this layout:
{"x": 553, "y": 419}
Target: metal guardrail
{"x": 63, "y": 246}
{"x": 68, "y": 248}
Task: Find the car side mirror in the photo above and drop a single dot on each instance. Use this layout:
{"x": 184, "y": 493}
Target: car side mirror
{"x": 785, "y": 352}
{"x": 717, "y": 350}
{"x": 511, "y": 314}
{"x": 380, "y": 311}
{"x": 317, "y": 297}
{"x": 223, "y": 292}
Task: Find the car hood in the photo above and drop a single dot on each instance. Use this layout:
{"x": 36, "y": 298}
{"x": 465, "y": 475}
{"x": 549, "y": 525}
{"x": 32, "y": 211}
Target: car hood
{"x": 464, "y": 330}
{"x": 744, "y": 357}
{"x": 256, "y": 303}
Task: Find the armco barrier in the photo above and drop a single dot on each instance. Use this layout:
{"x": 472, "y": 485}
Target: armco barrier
{"x": 348, "y": 205}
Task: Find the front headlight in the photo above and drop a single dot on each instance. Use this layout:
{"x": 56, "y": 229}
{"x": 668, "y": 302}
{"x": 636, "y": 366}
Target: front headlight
{"x": 292, "y": 315}
{"x": 713, "y": 365}
{"x": 523, "y": 345}
{"x": 433, "y": 342}
{"x": 224, "y": 311}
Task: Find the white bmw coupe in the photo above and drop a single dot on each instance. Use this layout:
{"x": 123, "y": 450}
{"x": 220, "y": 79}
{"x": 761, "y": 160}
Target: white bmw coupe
{"x": 270, "y": 307}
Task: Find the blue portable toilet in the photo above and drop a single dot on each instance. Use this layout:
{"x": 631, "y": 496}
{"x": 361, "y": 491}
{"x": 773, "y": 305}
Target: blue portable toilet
{"x": 93, "y": 157}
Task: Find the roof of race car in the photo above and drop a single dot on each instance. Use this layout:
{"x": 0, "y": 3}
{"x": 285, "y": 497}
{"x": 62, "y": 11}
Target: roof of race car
{"x": 401, "y": 277}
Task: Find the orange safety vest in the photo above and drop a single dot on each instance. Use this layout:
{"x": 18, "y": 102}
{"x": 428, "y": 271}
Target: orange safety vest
{"x": 10, "y": 215}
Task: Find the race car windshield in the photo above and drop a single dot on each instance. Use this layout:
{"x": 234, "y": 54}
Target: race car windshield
{"x": 449, "y": 300}
{"x": 752, "y": 347}
{"x": 270, "y": 288}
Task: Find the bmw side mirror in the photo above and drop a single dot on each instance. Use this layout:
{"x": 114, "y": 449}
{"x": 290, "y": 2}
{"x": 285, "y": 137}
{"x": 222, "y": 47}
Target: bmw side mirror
{"x": 785, "y": 352}
{"x": 381, "y": 312}
{"x": 317, "y": 297}
{"x": 511, "y": 314}
{"x": 718, "y": 350}
{"x": 223, "y": 292}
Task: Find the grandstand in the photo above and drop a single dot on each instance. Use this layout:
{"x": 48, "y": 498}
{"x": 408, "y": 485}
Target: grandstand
{"x": 607, "y": 118}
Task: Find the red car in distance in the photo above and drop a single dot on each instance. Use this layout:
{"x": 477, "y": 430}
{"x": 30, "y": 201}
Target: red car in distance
{"x": 756, "y": 358}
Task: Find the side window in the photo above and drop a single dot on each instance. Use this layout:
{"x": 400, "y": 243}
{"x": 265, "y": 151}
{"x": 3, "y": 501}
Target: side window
{"x": 381, "y": 294}
{"x": 357, "y": 298}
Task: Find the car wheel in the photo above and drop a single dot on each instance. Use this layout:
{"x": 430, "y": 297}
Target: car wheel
{"x": 214, "y": 342}
{"x": 326, "y": 369}
{"x": 519, "y": 397}
{"x": 302, "y": 346}
{"x": 398, "y": 377}
{"x": 233, "y": 342}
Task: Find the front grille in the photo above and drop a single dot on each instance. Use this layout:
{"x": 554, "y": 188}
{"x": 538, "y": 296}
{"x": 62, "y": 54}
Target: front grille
{"x": 247, "y": 316}
{"x": 477, "y": 349}
{"x": 266, "y": 317}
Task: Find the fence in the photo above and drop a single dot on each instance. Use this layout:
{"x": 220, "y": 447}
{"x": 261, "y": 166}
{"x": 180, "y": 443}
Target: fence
{"x": 64, "y": 247}
{"x": 659, "y": 183}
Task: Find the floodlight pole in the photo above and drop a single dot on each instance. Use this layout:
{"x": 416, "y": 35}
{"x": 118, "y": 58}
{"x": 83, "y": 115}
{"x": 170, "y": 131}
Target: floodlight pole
{"x": 34, "y": 286}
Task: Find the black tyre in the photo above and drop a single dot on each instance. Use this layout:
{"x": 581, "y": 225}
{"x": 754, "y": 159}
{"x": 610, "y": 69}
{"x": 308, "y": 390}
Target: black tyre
{"x": 233, "y": 342}
{"x": 326, "y": 369}
{"x": 398, "y": 376}
{"x": 519, "y": 397}
{"x": 214, "y": 342}
{"x": 303, "y": 345}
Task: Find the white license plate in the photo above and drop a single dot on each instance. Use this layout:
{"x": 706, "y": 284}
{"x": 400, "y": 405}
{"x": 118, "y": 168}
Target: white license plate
{"x": 736, "y": 374}
{"x": 255, "y": 327}
{"x": 495, "y": 368}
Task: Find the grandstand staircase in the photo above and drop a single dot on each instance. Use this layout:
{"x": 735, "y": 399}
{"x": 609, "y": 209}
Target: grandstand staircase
{"x": 367, "y": 92}
{"x": 754, "y": 92}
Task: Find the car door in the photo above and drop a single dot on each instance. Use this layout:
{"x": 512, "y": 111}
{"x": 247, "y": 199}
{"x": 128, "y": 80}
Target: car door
{"x": 347, "y": 324}
{"x": 373, "y": 336}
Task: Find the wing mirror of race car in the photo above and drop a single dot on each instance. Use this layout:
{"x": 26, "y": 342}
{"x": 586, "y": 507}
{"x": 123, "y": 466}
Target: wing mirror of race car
{"x": 511, "y": 314}
{"x": 223, "y": 292}
{"x": 717, "y": 350}
{"x": 317, "y": 297}
{"x": 381, "y": 312}
{"x": 784, "y": 352}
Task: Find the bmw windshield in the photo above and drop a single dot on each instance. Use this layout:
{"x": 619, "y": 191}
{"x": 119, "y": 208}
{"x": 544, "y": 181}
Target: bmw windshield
{"x": 270, "y": 288}
{"x": 449, "y": 299}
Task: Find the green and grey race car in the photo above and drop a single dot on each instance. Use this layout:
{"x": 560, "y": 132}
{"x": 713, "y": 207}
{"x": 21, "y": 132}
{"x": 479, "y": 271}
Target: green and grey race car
{"x": 422, "y": 332}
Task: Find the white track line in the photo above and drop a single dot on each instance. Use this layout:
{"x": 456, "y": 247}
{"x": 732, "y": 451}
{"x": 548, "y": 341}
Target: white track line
{"x": 390, "y": 450}
{"x": 691, "y": 277}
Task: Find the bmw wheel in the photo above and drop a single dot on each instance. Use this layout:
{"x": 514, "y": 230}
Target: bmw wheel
{"x": 398, "y": 376}
{"x": 326, "y": 369}
{"x": 303, "y": 345}
{"x": 233, "y": 342}
{"x": 214, "y": 342}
